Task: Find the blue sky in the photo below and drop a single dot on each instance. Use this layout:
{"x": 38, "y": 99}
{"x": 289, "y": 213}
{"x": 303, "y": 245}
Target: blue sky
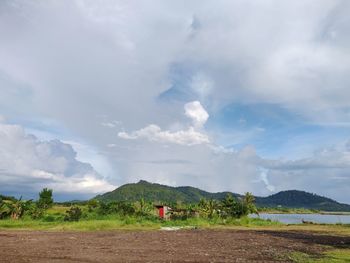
{"x": 274, "y": 131}
{"x": 232, "y": 95}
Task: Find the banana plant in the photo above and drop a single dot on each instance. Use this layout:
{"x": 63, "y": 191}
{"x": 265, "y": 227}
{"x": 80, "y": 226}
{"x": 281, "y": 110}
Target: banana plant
{"x": 13, "y": 208}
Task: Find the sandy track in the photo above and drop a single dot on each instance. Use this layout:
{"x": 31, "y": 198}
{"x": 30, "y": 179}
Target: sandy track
{"x": 160, "y": 246}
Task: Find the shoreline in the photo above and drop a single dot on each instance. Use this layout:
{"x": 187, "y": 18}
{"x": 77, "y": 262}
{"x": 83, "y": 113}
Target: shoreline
{"x": 306, "y": 213}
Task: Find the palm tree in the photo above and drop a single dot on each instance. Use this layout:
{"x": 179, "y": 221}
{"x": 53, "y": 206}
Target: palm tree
{"x": 208, "y": 207}
{"x": 212, "y": 207}
{"x": 230, "y": 207}
{"x": 248, "y": 201}
{"x": 142, "y": 207}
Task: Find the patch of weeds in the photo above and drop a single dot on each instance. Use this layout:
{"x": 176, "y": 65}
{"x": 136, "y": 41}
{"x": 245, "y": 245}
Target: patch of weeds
{"x": 331, "y": 256}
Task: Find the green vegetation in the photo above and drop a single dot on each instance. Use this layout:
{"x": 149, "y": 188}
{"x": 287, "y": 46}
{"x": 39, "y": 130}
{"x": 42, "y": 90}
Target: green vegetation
{"x": 331, "y": 256}
{"x": 73, "y": 214}
{"x": 159, "y": 193}
{"x": 13, "y": 208}
{"x": 231, "y": 211}
{"x": 301, "y": 199}
{"x": 190, "y": 195}
{"x": 45, "y": 199}
{"x": 95, "y": 214}
{"x": 114, "y": 222}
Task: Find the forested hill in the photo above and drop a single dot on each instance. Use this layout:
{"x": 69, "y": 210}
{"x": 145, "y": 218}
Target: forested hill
{"x": 159, "y": 193}
{"x": 187, "y": 194}
{"x": 301, "y": 199}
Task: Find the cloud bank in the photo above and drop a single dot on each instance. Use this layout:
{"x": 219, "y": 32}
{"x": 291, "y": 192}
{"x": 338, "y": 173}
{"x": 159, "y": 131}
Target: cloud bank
{"x": 84, "y": 64}
{"x": 27, "y": 165}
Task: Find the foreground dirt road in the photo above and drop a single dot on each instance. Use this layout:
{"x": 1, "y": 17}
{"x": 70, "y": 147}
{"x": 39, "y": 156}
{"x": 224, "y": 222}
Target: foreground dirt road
{"x": 161, "y": 246}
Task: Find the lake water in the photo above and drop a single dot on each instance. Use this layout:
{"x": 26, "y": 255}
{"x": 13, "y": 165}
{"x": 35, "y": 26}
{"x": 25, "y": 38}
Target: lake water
{"x": 297, "y": 218}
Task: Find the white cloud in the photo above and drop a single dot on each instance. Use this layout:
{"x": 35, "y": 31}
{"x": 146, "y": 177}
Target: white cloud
{"x": 197, "y": 113}
{"x": 111, "y": 124}
{"x": 154, "y": 133}
{"x": 199, "y": 166}
{"x": 228, "y": 57}
{"x": 73, "y": 60}
{"x": 264, "y": 178}
{"x": 191, "y": 136}
{"x": 108, "y": 124}
{"x": 29, "y": 164}
{"x": 325, "y": 172}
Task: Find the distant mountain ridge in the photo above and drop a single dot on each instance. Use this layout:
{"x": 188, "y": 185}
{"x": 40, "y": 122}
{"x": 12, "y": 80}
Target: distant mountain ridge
{"x": 167, "y": 194}
{"x": 302, "y": 199}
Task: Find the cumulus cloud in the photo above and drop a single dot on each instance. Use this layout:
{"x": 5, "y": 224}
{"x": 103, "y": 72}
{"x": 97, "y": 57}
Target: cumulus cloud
{"x": 154, "y": 133}
{"x": 28, "y": 164}
{"x": 103, "y": 57}
{"x": 191, "y": 136}
{"x": 228, "y": 56}
{"x": 197, "y": 113}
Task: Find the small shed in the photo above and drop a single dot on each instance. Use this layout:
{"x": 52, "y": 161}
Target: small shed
{"x": 164, "y": 211}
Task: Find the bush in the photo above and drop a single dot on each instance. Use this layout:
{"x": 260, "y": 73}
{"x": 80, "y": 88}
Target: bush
{"x": 49, "y": 218}
{"x": 36, "y": 212}
{"x": 92, "y": 205}
{"x": 121, "y": 208}
{"x": 73, "y": 214}
{"x": 45, "y": 199}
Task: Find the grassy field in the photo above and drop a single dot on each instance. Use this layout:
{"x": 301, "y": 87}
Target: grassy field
{"x": 113, "y": 223}
{"x": 331, "y": 256}
{"x": 53, "y": 220}
{"x": 116, "y": 222}
{"x": 131, "y": 223}
{"x": 108, "y": 225}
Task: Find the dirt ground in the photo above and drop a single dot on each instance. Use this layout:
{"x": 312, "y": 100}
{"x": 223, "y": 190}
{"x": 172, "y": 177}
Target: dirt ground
{"x": 161, "y": 246}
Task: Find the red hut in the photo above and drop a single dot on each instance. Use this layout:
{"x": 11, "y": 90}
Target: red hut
{"x": 163, "y": 211}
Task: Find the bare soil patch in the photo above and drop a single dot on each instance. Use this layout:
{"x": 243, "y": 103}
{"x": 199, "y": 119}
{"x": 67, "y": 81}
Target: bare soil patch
{"x": 162, "y": 246}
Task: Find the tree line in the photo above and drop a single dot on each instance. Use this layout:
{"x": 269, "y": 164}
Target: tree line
{"x": 229, "y": 207}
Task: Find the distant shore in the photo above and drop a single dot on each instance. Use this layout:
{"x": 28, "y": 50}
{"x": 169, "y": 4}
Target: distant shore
{"x": 304, "y": 212}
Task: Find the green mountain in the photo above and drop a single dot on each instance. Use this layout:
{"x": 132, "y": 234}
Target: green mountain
{"x": 301, "y": 199}
{"x": 187, "y": 194}
{"x": 158, "y": 193}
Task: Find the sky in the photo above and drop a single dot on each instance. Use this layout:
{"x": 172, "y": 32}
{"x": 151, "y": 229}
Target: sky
{"x": 222, "y": 95}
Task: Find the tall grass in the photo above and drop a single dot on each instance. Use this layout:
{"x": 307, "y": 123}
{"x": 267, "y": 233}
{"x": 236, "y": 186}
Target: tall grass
{"x": 91, "y": 221}
{"x": 331, "y": 256}
{"x": 111, "y": 222}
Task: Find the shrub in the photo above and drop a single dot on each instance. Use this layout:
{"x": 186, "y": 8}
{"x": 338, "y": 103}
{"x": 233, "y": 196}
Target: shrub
{"x": 92, "y": 205}
{"x": 49, "y": 218}
{"x": 45, "y": 199}
{"x": 121, "y": 208}
{"x": 73, "y": 214}
{"x": 36, "y": 212}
